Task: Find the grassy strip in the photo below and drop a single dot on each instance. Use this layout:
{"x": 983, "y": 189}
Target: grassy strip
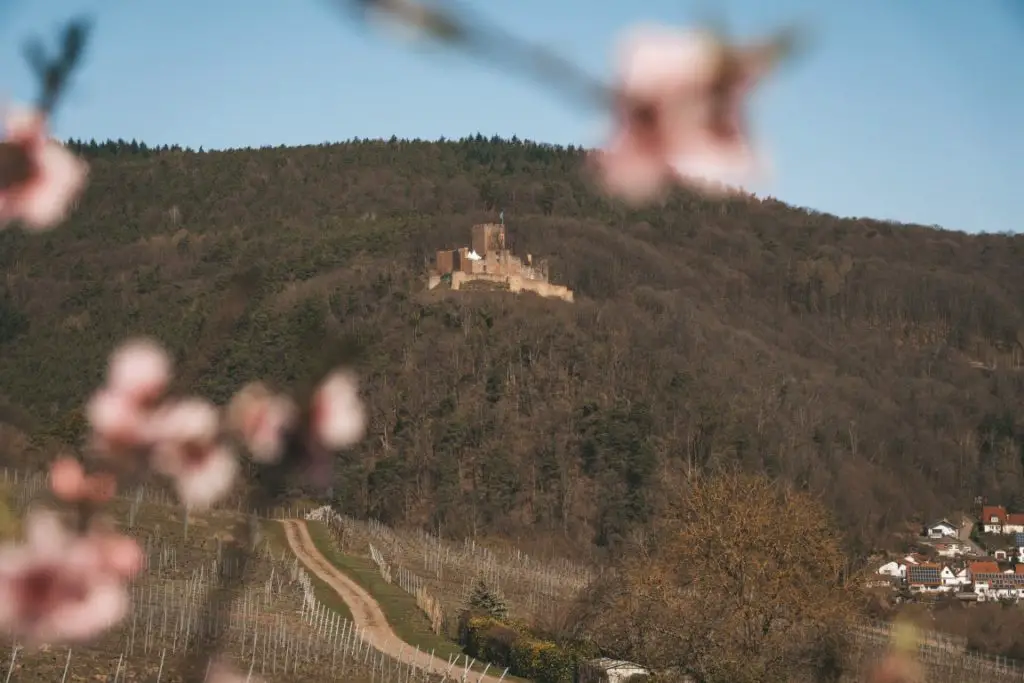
{"x": 406, "y": 619}
{"x": 274, "y": 532}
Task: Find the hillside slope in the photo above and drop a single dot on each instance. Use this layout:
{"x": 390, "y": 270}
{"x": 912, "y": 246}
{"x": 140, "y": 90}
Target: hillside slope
{"x": 834, "y": 353}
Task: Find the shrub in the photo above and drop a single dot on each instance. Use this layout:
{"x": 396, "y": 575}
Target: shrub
{"x": 491, "y": 640}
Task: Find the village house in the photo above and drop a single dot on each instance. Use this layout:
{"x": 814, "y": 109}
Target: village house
{"x": 963, "y": 577}
{"x": 953, "y": 549}
{"x": 927, "y": 578}
{"x": 992, "y": 519}
{"x": 1014, "y": 523}
{"x": 894, "y": 569}
{"x": 941, "y": 529}
{"x": 953, "y": 580}
{"x": 996, "y": 520}
{"x": 982, "y": 574}
{"x": 981, "y": 579}
{"x": 993, "y": 584}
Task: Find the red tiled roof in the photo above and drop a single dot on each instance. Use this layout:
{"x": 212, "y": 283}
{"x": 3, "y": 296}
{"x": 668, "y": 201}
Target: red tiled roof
{"x": 990, "y": 511}
{"x": 1015, "y": 518}
{"x": 983, "y": 568}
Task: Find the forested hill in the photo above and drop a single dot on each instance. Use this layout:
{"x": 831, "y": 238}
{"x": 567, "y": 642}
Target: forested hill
{"x": 834, "y": 353}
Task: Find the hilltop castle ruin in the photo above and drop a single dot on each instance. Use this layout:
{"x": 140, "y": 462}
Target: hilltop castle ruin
{"x": 487, "y": 260}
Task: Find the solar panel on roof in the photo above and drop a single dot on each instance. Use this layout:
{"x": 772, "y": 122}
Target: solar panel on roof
{"x": 1018, "y": 539}
{"x": 924, "y": 574}
{"x": 1016, "y": 579}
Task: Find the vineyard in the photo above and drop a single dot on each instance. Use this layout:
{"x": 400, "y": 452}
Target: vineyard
{"x": 446, "y": 572}
{"x": 280, "y": 627}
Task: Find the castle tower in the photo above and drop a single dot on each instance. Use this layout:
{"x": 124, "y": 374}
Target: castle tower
{"x": 444, "y": 262}
{"x": 488, "y": 237}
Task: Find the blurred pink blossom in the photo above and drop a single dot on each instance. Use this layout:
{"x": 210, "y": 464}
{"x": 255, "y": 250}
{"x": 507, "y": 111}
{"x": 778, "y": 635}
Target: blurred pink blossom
{"x": 70, "y": 483}
{"x": 120, "y": 555}
{"x": 138, "y": 373}
{"x": 57, "y": 587}
{"x": 261, "y": 419}
{"x": 53, "y": 176}
{"x": 118, "y": 423}
{"x": 189, "y": 420}
{"x": 186, "y": 449}
{"x": 139, "y": 370}
{"x": 679, "y": 115}
{"x": 338, "y": 416}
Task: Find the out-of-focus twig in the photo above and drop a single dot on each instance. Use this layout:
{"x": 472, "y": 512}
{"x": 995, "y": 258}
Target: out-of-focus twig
{"x": 54, "y": 73}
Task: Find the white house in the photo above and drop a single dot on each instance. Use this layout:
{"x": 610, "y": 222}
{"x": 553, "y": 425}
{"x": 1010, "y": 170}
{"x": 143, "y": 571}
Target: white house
{"x": 952, "y": 580}
{"x": 942, "y": 529}
{"x": 990, "y": 582}
{"x": 953, "y": 549}
{"x": 1014, "y": 523}
{"x": 894, "y": 568}
{"x": 927, "y": 578}
{"x": 993, "y": 517}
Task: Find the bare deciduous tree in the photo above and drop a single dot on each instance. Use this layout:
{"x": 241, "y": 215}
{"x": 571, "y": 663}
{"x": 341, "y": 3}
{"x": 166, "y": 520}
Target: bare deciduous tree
{"x": 743, "y": 581}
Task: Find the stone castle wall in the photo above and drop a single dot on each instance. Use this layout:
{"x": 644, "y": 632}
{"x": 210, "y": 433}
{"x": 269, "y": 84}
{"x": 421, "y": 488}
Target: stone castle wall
{"x": 514, "y": 283}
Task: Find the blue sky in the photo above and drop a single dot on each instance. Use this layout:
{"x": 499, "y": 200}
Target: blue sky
{"x": 912, "y": 111}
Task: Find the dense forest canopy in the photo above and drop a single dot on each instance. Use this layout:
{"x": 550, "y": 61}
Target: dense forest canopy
{"x": 871, "y": 363}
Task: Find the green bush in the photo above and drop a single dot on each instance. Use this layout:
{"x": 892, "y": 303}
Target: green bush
{"x": 501, "y": 644}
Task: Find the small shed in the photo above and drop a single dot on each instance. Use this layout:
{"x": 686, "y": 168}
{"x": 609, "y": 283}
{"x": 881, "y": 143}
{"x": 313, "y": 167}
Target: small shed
{"x": 607, "y": 670}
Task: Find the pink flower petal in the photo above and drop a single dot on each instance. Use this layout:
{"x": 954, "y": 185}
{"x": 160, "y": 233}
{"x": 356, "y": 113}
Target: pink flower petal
{"x": 58, "y": 176}
{"x": 140, "y": 369}
{"x": 67, "y": 479}
{"x": 678, "y": 117}
{"x": 117, "y": 421}
{"x": 55, "y": 588}
{"x": 628, "y": 173}
{"x": 339, "y": 418}
{"x": 658, "y": 62}
{"x": 23, "y": 124}
{"x": 262, "y": 419}
{"x": 719, "y": 169}
{"x": 44, "y": 201}
{"x": 45, "y": 533}
{"x": 190, "y": 420}
{"x": 121, "y": 555}
{"x": 104, "y": 604}
{"x": 203, "y": 483}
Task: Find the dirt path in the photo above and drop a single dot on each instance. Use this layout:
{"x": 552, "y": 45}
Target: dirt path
{"x": 366, "y": 612}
